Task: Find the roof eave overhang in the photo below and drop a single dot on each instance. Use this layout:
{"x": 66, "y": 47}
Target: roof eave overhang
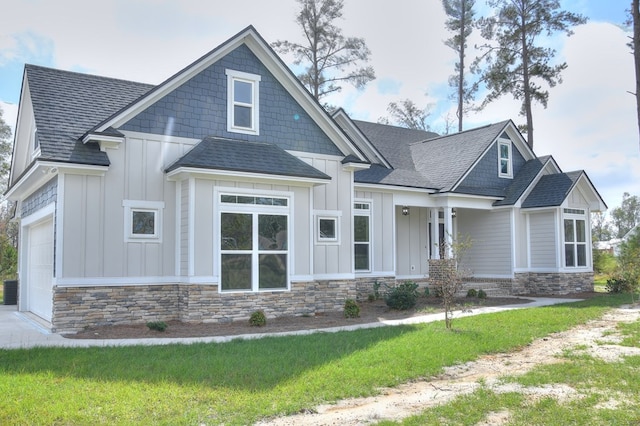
{"x": 354, "y": 167}
{"x": 43, "y": 171}
{"x": 182, "y": 173}
{"x": 104, "y": 141}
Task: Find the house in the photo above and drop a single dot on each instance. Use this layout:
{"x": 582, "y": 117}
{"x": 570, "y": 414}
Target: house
{"x": 228, "y": 188}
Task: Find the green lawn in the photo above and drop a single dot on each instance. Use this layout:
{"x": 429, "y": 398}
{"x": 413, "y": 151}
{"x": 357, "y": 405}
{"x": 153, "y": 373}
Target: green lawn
{"x": 242, "y": 381}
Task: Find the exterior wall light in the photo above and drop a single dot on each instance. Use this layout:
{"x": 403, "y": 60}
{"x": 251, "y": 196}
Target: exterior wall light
{"x": 405, "y": 211}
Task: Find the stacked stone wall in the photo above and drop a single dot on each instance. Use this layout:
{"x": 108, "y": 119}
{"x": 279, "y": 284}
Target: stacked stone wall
{"x": 554, "y": 283}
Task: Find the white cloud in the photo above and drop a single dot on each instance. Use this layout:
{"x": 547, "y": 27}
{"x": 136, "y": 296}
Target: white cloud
{"x": 590, "y": 123}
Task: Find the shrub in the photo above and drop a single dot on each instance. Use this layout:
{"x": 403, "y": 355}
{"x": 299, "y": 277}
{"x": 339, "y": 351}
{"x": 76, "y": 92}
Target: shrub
{"x": 482, "y": 294}
{"x": 472, "y": 292}
{"x": 426, "y": 292}
{"x": 258, "y": 319}
{"x": 403, "y": 296}
{"x": 351, "y": 309}
{"x": 618, "y": 285}
{"x": 157, "y": 325}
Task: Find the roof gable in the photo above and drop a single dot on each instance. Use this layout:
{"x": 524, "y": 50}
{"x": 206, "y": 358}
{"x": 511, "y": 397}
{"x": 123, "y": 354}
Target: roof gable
{"x": 552, "y": 190}
{"x": 308, "y": 108}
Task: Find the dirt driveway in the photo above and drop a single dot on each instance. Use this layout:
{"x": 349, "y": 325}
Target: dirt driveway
{"x": 403, "y": 401}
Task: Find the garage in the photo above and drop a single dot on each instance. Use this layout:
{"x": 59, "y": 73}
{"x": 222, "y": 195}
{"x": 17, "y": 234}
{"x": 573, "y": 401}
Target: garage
{"x": 40, "y": 269}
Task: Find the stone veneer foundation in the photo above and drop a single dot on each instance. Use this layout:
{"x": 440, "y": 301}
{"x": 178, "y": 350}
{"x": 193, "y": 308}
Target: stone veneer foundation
{"x": 76, "y": 308}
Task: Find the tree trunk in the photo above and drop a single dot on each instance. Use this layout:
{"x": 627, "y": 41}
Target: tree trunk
{"x": 461, "y": 70}
{"x": 635, "y": 13}
{"x": 527, "y": 84}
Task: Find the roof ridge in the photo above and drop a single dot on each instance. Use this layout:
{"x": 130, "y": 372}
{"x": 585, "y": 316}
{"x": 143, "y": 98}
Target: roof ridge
{"x": 486, "y": 126}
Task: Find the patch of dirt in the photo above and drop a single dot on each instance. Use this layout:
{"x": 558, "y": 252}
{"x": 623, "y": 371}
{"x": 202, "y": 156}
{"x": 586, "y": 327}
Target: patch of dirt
{"x": 370, "y": 312}
{"x": 412, "y": 398}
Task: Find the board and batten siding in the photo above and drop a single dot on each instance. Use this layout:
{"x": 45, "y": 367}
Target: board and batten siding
{"x": 382, "y": 230}
{"x": 336, "y": 196}
{"x": 491, "y": 249}
{"x": 412, "y": 241}
{"x": 93, "y": 220}
{"x": 542, "y": 237}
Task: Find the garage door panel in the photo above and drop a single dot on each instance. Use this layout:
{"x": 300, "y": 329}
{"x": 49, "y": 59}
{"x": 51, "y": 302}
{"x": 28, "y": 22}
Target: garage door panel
{"x": 40, "y": 269}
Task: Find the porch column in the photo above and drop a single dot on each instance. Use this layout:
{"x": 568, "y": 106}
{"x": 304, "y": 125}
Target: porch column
{"x": 448, "y": 230}
{"x": 435, "y": 235}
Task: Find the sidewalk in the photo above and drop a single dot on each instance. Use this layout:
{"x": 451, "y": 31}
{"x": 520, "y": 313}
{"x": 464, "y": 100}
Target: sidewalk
{"x": 21, "y": 330}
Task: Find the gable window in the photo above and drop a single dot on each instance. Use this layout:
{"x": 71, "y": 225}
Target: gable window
{"x": 575, "y": 241}
{"x": 243, "y": 100}
{"x": 505, "y": 167}
{"x": 142, "y": 220}
{"x": 254, "y": 243}
{"x": 362, "y": 236}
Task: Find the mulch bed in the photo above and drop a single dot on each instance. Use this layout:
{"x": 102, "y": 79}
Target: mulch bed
{"x": 370, "y": 312}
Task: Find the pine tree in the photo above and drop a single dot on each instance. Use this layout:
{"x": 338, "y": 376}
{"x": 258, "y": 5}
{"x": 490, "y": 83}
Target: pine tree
{"x": 517, "y": 61}
{"x": 460, "y": 22}
{"x": 329, "y": 57}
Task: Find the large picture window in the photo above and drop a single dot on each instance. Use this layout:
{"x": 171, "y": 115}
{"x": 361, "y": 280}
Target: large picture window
{"x": 243, "y": 100}
{"x": 575, "y": 242}
{"x": 362, "y": 236}
{"x": 254, "y": 247}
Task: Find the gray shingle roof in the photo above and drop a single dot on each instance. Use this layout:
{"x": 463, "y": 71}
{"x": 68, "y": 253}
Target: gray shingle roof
{"x": 393, "y": 142}
{"x": 552, "y": 190}
{"x": 379, "y": 174}
{"x": 242, "y": 156}
{"x": 522, "y": 180}
{"x": 445, "y": 160}
{"x": 67, "y": 104}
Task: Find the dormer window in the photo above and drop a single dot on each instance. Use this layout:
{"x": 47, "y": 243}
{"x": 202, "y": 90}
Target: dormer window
{"x": 505, "y": 167}
{"x": 243, "y": 101}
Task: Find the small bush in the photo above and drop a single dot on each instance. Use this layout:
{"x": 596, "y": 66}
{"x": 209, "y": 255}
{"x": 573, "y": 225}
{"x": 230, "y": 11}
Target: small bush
{"x": 157, "y": 325}
{"x": 351, "y": 309}
{"x": 426, "y": 292}
{"x": 403, "y": 296}
{"x": 472, "y": 292}
{"x": 482, "y": 294}
{"x": 371, "y": 297}
{"x": 258, "y": 319}
{"x": 618, "y": 285}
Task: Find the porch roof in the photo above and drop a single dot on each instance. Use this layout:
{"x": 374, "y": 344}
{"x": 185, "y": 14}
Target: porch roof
{"x": 241, "y": 156}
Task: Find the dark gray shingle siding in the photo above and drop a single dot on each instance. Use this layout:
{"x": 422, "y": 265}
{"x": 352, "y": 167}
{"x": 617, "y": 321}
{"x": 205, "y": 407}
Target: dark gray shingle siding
{"x": 198, "y": 108}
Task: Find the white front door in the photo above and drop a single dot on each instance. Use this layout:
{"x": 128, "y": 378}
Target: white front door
{"x": 40, "y": 269}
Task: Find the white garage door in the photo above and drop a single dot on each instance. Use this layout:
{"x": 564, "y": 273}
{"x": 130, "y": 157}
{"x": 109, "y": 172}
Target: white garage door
{"x": 40, "y": 269}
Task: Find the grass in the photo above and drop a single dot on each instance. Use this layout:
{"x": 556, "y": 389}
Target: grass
{"x": 606, "y": 393}
{"x": 243, "y": 381}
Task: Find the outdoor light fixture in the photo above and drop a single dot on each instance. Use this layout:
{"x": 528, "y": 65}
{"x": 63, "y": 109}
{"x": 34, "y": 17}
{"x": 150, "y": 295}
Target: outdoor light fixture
{"x": 454, "y": 213}
{"x": 405, "y": 211}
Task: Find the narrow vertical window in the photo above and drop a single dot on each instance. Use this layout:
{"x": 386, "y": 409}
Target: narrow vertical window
{"x": 243, "y": 102}
{"x": 362, "y": 237}
{"x": 575, "y": 243}
{"x": 505, "y": 168}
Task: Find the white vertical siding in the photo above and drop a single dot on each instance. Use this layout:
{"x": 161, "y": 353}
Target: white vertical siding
{"x": 542, "y": 237}
{"x": 491, "y": 251}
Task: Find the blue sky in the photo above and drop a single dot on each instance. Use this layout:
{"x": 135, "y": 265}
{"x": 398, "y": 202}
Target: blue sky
{"x": 589, "y": 123}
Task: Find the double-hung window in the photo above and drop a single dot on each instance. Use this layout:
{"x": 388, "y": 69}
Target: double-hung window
{"x": 575, "y": 238}
{"x": 505, "y": 167}
{"x": 362, "y": 236}
{"x": 243, "y": 102}
{"x": 254, "y": 243}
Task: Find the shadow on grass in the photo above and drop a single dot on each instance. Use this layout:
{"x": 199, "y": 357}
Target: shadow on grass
{"x": 383, "y": 356}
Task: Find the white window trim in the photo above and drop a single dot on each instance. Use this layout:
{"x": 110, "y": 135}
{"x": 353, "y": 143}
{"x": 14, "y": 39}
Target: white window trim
{"x": 334, "y": 215}
{"x": 574, "y": 217}
{"x": 258, "y": 209}
{"x": 367, "y": 213}
{"x": 509, "y": 173}
{"x": 254, "y": 80}
{"x": 131, "y": 206}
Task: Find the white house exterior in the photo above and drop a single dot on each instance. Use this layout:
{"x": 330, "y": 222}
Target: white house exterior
{"x": 228, "y": 189}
